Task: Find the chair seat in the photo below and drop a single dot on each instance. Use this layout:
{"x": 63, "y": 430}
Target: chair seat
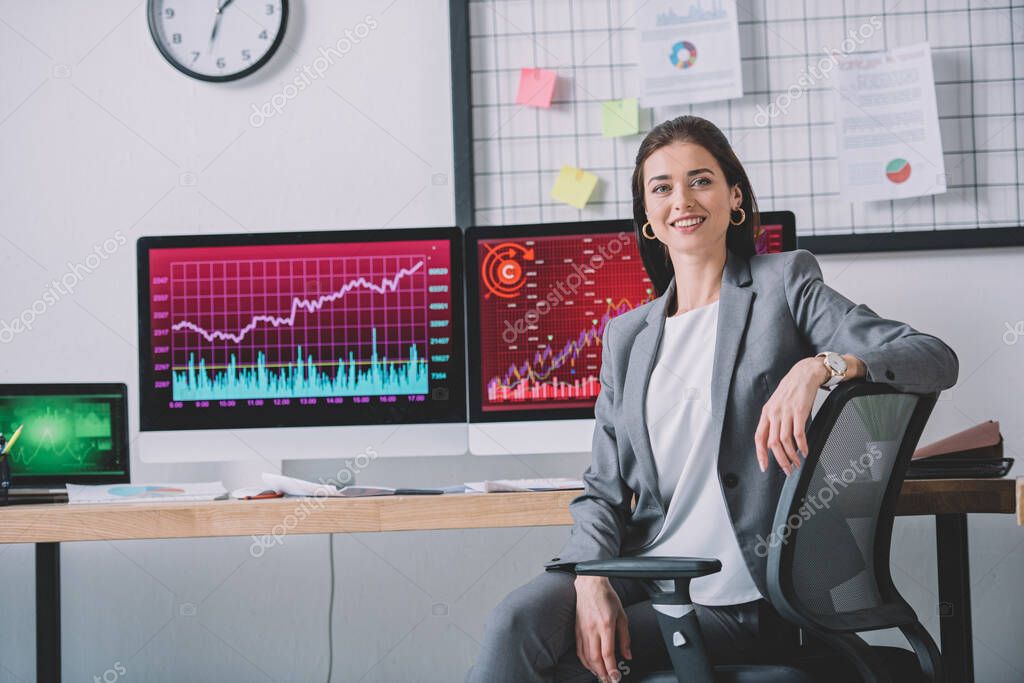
{"x": 741, "y": 674}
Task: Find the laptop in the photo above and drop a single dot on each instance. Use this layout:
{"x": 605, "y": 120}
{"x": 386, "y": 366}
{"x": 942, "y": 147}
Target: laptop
{"x": 69, "y": 433}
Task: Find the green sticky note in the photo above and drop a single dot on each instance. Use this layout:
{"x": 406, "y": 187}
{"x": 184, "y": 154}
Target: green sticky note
{"x": 620, "y": 117}
{"x": 574, "y": 186}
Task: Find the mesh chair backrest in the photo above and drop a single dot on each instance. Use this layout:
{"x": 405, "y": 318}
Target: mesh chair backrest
{"x": 834, "y": 523}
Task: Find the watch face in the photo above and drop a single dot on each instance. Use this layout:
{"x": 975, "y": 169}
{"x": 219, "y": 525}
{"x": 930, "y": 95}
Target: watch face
{"x": 836, "y": 362}
{"x": 217, "y": 40}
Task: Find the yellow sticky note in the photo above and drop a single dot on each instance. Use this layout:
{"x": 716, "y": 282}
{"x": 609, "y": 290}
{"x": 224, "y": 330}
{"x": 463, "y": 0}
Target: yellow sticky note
{"x": 574, "y": 186}
{"x": 620, "y": 117}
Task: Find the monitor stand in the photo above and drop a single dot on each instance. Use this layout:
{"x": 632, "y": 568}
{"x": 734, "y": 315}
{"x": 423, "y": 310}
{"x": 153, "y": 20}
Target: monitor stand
{"x": 519, "y": 438}
{"x": 302, "y": 443}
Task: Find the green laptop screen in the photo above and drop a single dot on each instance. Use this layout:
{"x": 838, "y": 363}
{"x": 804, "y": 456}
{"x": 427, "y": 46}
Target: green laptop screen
{"x": 64, "y": 435}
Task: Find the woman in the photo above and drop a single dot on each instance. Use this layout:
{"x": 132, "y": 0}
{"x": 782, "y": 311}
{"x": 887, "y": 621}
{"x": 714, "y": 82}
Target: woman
{"x": 705, "y": 395}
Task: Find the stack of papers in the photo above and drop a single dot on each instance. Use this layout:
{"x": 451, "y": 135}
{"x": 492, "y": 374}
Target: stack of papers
{"x": 507, "y": 485}
{"x": 154, "y": 493}
{"x": 300, "y": 487}
{"x": 146, "y": 493}
{"x": 291, "y": 486}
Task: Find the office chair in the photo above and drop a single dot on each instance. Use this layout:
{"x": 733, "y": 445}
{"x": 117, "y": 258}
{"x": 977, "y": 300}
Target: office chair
{"x": 828, "y": 555}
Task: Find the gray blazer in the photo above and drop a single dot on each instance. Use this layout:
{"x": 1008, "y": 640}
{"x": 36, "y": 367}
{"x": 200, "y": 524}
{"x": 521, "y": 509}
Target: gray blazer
{"x": 774, "y": 310}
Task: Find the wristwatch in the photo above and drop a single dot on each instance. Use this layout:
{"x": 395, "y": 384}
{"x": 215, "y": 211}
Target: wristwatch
{"x": 836, "y": 367}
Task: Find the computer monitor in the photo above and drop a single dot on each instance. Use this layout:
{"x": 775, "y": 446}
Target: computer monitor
{"x": 539, "y": 298}
{"x": 355, "y": 336}
{"x": 70, "y": 433}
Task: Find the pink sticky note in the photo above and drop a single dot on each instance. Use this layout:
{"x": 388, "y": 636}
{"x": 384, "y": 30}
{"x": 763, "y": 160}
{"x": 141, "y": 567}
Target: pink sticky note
{"x": 536, "y": 87}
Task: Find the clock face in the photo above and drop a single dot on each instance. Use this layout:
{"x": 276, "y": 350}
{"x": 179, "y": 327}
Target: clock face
{"x": 217, "y": 40}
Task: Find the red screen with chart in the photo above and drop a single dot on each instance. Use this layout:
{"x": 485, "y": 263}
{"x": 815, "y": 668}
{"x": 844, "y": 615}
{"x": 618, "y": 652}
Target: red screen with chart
{"x": 544, "y": 302}
{"x": 294, "y": 333}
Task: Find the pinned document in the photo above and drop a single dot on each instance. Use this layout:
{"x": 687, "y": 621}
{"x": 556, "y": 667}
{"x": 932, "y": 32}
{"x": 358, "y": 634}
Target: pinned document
{"x": 574, "y": 186}
{"x": 536, "y": 87}
{"x": 890, "y": 146}
{"x": 689, "y": 52}
{"x": 620, "y": 118}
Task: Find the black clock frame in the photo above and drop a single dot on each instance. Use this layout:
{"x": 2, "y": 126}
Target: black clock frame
{"x": 154, "y": 32}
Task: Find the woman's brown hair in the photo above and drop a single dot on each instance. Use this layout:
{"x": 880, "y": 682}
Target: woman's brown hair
{"x": 739, "y": 240}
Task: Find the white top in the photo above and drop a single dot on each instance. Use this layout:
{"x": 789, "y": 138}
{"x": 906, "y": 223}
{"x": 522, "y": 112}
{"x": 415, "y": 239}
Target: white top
{"x": 678, "y": 414}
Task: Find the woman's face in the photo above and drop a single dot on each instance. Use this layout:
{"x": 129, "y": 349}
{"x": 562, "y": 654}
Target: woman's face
{"x": 687, "y": 198}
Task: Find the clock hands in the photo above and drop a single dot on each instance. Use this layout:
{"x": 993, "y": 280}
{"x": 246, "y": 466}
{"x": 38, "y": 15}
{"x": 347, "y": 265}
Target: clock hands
{"x": 216, "y": 21}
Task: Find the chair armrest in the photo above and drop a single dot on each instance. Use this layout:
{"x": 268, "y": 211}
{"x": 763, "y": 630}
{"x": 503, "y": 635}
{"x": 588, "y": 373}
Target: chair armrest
{"x": 650, "y": 567}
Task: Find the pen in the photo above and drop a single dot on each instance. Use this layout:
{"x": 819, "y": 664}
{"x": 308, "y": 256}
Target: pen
{"x": 264, "y": 494}
{"x": 17, "y": 433}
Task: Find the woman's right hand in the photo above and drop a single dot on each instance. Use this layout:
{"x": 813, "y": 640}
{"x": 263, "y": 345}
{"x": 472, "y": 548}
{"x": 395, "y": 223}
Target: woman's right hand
{"x": 599, "y": 618}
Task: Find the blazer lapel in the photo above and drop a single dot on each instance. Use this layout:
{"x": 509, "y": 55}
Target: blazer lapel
{"x": 733, "y": 310}
{"x": 638, "y": 375}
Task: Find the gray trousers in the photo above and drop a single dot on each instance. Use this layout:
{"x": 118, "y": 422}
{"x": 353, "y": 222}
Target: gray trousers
{"x": 530, "y": 637}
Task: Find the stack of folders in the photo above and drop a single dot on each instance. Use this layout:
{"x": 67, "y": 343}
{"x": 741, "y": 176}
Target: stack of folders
{"x": 975, "y": 453}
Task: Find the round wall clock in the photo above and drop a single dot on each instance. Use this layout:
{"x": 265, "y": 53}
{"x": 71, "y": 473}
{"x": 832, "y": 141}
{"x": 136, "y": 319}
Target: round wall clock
{"x": 217, "y": 40}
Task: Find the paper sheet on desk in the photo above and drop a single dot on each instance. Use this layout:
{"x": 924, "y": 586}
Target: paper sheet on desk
{"x": 300, "y": 487}
{"x": 508, "y": 485}
{"x": 148, "y": 493}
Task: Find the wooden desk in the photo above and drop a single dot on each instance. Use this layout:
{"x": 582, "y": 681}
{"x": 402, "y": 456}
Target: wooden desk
{"x": 950, "y": 500}
{"x": 1020, "y": 501}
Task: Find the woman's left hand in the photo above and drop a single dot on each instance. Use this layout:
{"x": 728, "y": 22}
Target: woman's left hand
{"x": 781, "y": 427}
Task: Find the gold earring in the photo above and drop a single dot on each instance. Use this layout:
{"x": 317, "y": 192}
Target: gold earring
{"x": 741, "y": 221}
{"x": 650, "y": 235}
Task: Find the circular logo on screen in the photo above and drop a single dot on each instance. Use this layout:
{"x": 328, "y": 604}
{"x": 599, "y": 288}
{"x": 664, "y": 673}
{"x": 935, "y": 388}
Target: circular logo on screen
{"x": 684, "y": 54}
{"x": 502, "y": 269}
{"x": 897, "y": 170}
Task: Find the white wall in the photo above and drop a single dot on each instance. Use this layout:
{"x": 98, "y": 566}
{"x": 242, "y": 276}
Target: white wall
{"x": 98, "y": 135}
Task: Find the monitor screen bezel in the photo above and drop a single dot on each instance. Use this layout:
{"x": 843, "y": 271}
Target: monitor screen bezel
{"x": 119, "y": 431}
{"x": 454, "y": 411}
{"x": 474, "y": 353}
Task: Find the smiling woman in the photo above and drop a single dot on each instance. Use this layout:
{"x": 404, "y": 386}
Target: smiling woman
{"x": 705, "y": 396}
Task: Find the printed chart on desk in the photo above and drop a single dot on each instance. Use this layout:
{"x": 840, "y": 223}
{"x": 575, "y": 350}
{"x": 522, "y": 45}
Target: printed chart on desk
{"x": 282, "y": 325}
{"x": 790, "y": 152}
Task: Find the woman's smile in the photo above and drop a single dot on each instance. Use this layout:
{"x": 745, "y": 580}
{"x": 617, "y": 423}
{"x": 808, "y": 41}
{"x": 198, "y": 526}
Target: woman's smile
{"x": 686, "y": 224}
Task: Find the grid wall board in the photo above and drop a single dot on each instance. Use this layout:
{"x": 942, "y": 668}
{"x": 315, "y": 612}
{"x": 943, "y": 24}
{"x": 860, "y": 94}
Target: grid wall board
{"x": 978, "y": 60}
